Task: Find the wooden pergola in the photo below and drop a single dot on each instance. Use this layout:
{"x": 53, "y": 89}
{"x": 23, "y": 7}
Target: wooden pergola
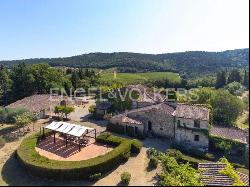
{"x": 70, "y": 131}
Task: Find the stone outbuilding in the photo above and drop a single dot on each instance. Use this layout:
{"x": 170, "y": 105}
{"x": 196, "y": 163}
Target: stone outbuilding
{"x": 182, "y": 123}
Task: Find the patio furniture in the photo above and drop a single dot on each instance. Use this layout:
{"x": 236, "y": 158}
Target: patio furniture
{"x": 71, "y": 132}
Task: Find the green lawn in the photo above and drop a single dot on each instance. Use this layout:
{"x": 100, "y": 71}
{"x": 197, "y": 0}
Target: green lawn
{"x": 136, "y": 78}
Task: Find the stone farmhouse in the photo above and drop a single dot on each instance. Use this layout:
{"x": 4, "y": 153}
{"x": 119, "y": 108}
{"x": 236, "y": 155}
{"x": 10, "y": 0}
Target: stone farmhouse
{"x": 183, "y": 123}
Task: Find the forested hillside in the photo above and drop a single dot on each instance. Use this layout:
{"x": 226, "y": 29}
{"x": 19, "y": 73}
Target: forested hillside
{"x": 191, "y": 63}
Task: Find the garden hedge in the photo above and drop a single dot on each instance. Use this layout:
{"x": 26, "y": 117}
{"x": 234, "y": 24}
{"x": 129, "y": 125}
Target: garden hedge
{"x": 69, "y": 170}
{"x": 224, "y": 145}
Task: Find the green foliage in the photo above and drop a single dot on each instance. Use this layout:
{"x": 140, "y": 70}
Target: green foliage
{"x": 221, "y": 79}
{"x": 174, "y": 153}
{"x": 246, "y": 79}
{"x": 43, "y": 167}
{"x": 137, "y": 78}
{"x": 201, "y": 62}
{"x": 8, "y": 115}
{"x": 224, "y": 145}
{"x": 25, "y": 119}
{"x": 230, "y": 172}
{"x": 125, "y": 178}
{"x": 92, "y": 109}
{"x": 235, "y": 88}
{"x": 81, "y": 78}
{"x": 209, "y": 156}
{"x": 95, "y": 177}
{"x": 178, "y": 174}
{"x": 234, "y": 76}
{"x": 37, "y": 78}
{"x": 64, "y": 110}
{"x": 110, "y": 139}
{"x": 152, "y": 152}
{"x": 225, "y": 106}
{"x": 201, "y": 81}
{"x": 191, "y": 152}
{"x": 159, "y": 79}
{"x": 5, "y": 84}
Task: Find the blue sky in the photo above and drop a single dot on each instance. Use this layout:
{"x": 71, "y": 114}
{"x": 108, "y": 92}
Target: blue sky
{"x": 59, "y": 28}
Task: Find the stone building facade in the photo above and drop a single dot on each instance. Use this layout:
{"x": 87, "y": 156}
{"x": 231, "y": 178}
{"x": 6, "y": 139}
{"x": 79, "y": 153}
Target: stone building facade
{"x": 182, "y": 123}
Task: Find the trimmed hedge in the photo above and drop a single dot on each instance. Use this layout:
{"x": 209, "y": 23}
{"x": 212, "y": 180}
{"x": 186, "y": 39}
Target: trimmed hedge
{"x": 182, "y": 158}
{"x": 194, "y": 152}
{"x": 95, "y": 177}
{"x": 136, "y": 146}
{"x": 69, "y": 170}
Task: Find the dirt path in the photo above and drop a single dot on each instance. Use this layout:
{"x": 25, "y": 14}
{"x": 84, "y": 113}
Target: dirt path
{"x": 137, "y": 167}
{"x": 13, "y": 174}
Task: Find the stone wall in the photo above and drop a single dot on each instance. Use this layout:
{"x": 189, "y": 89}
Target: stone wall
{"x": 185, "y": 133}
{"x": 161, "y": 122}
{"x": 165, "y": 125}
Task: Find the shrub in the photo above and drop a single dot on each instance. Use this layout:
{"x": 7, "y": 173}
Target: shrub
{"x": 174, "y": 153}
{"x": 153, "y": 162}
{"x": 125, "y": 178}
{"x": 95, "y": 177}
{"x": 136, "y": 146}
{"x": 2, "y": 142}
{"x": 64, "y": 110}
{"x": 108, "y": 138}
{"x": 224, "y": 145}
{"x": 43, "y": 167}
{"x": 181, "y": 158}
{"x": 209, "y": 156}
{"x": 8, "y": 115}
{"x": 194, "y": 152}
{"x": 92, "y": 109}
{"x": 152, "y": 152}
{"x": 176, "y": 174}
{"x": 24, "y": 119}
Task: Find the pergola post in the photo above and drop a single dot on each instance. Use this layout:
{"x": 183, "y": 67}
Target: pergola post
{"x": 95, "y": 133}
{"x": 54, "y": 137}
{"x": 79, "y": 144}
{"x": 66, "y": 141}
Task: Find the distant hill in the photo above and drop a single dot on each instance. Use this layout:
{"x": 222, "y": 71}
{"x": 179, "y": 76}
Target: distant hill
{"x": 190, "y": 63}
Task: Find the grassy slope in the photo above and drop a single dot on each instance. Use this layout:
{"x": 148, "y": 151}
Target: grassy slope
{"x": 132, "y": 78}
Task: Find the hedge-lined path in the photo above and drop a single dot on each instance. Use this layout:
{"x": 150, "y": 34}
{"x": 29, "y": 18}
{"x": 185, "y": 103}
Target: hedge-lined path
{"x": 137, "y": 166}
{"x": 13, "y": 174}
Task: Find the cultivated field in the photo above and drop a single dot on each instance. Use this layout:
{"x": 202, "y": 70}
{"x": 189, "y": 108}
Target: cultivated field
{"x": 132, "y": 78}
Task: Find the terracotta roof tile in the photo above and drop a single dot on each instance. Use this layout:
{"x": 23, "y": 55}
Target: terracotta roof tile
{"x": 229, "y": 133}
